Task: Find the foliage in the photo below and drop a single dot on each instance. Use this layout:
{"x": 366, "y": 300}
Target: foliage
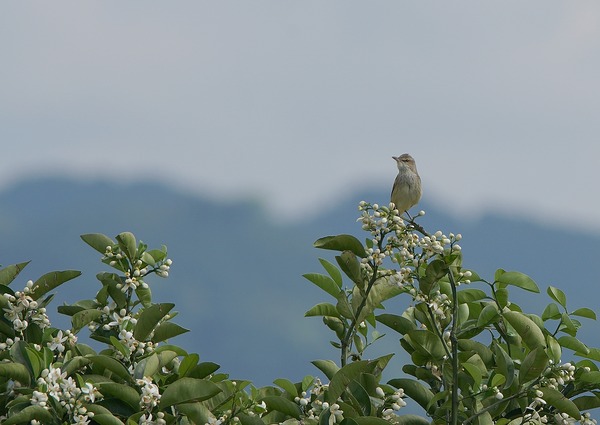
{"x": 475, "y": 356}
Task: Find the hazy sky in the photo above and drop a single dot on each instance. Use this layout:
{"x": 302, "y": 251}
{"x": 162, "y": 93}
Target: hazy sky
{"x": 300, "y": 103}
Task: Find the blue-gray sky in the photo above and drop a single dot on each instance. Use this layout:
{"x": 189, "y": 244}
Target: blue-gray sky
{"x": 300, "y": 103}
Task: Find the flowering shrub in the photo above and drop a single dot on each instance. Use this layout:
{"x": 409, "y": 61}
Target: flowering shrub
{"x": 475, "y": 356}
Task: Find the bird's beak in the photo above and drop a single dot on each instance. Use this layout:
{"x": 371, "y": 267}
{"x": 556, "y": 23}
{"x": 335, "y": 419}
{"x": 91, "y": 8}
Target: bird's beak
{"x": 395, "y": 158}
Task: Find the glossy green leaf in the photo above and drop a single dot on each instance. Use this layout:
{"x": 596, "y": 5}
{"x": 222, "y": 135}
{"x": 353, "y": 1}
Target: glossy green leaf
{"x": 128, "y": 244}
{"x": 573, "y": 343}
{"x": 551, "y": 312}
{"x": 485, "y": 354}
{"x": 518, "y": 279}
{"x": 398, "y": 323}
{"x": 8, "y": 273}
{"x": 342, "y": 243}
{"x": 593, "y": 377}
{"x": 204, "y": 370}
{"x": 323, "y": 309}
{"x": 16, "y": 372}
{"x": 282, "y": 405}
{"x": 188, "y": 363}
{"x": 324, "y": 282}
{"x": 124, "y": 393}
{"x": 342, "y": 378}
{"x": 51, "y": 280}
{"x": 557, "y": 295}
{"x": 561, "y": 403}
{"x": 350, "y": 266}
{"x": 75, "y": 364}
{"x": 554, "y": 349}
{"x": 188, "y": 389}
{"x": 287, "y": 385}
{"x": 505, "y": 364}
{"x": 426, "y": 343}
{"x": 111, "y": 364}
{"x": 333, "y": 271}
{"x": 148, "y": 366}
{"x": 414, "y": 389}
{"x": 489, "y": 313}
{"x": 404, "y": 420}
{"x": 475, "y": 373}
{"x": 531, "y": 334}
{"x": 587, "y": 402}
{"x": 585, "y": 312}
{"x": 149, "y": 318}
{"x": 167, "y": 330}
{"x": 470, "y": 295}
{"x": 533, "y": 365}
{"x": 98, "y": 241}
{"x": 84, "y": 318}
{"x": 28, "y": 414}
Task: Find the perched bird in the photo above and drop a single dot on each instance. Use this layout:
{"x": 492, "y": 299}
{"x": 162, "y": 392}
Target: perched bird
{"x": 407, "y": 186}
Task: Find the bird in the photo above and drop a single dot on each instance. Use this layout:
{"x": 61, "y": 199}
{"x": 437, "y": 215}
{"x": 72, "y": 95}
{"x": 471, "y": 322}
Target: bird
{"x": 406, "y": 191}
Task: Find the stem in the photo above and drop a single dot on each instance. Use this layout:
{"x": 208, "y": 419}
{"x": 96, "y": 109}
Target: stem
{"x": 454, "y": 347}
{"x": 347, "y": 340}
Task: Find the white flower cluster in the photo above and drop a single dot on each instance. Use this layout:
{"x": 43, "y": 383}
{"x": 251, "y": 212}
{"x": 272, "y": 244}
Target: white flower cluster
{"x": 392, "y": 403}
{"x": 57, "y": 343}
{"x": 147, "y": 419}
{"x": 392, "y": 237}
{"x": 23, "y": 310}
{"x": 55, "y": 383}
{"x": 163, "y": 269}
{"x": 150, "y": 393}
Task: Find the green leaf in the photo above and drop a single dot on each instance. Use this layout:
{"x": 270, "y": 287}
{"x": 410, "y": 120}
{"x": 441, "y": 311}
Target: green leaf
{"x": 414, "y": 389}
{"x": 204, "y": 369}
{"x": 573, "y": 343}
{"x": 593, "y": 377}
{"x": 557, "y": 295}
{"x": 98, "y": 241}
{"x": 188, "y": 389}
{"x": 333, "y": 271}
{"x": 188, "y": 363}
{"x": 111, "y": 364}
{"x": 127, "y": 244}
{"x": 398, "y": 323}
{"x": 475, "y": 373}
{"x": 167, "y": 330}
{"x": 518, "y": 279}
{"x": 551, "y": 312}
{"x": 283, "y": 405}
{"x": 328, "y": 367}
{"x": 483, "y": 351}
{"x": 102, "y": 415}
{"x": 51, "y": 280}
{"x": 84, "y": 317}
{"x": 28, "y": 414}
{"x": 587, "y": 402}
{"x": 488, "y": 315}
{"x": 341, "y": 243}
{"x": 287, "y": 386}
{"x": 124, "y": 393}
{"x": 470, "y": 295}
{"x": 426, "y": 343}
{"x": 322, "y": 309}
{"x": 531, "y": 334}
{"x": 403, "y": 420}
{"x": 149, "y": 318}
{"x": 554, "y": 349}
{"x": 16, "y": 372}
{"x": 560, "y": 402}
{"x": 326, "y": 283}
{"x": 8, "y": 273}
{"x": 350, "y": 265}
{"x": 344, "y": 376}
{"x": 585, "y": 312}
{"x": 505, "y": 364}
{"x": 148, "y": 366}
{"x": 533, "y": 365}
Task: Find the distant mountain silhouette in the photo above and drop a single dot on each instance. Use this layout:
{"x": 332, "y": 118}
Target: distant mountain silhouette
{"x": 236, "y": 275}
